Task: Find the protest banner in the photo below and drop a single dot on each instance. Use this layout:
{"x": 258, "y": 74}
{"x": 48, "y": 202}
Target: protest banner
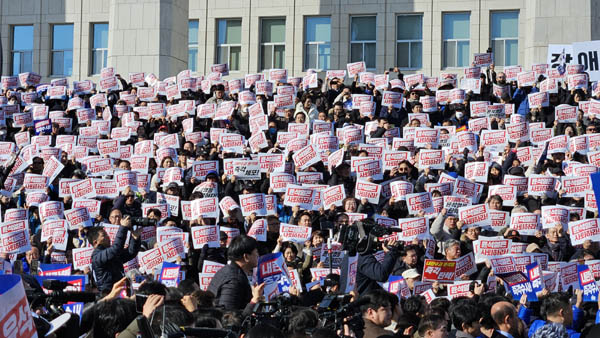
{"x": 587, "y": 229}
{"x": 439, "y": 271}
{"x": 293, "y": 233}
{"x": 370, "y": 191}
{"x": 412, "y": 228}
{"x": 525, "y": 223}
{"x": 419, "y": 202}
{"x": 474, "y": 215}
{"x": 434, "y": 159}
{"x": 15, "y": 316}
{"x": 333, "y": 196}
{"x": 207, "y": 234}
{"x": 486, "y": 247}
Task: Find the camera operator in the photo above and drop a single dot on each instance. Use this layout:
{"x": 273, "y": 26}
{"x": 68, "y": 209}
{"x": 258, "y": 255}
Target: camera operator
{"x": 107, "y": 260}
{"x": 230, "y": 284}
{"x": 377, "y": 313}
{"x": 370, "y": 271}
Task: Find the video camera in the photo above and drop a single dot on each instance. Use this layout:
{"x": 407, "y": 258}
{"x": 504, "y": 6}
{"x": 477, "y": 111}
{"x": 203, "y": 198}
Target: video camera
{"x": 337, "y": 310}
{"x": 361, "y": 236}
{"x": 143, "y": 221}
{"x": 276, "y": 312}
{"x": 57, "y": 297}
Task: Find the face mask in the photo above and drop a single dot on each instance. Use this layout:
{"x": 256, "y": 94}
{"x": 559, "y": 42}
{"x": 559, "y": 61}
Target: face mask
{"x": 368, "y": 91}
{"x": 459, "y": 114}
{"x": 272, "y": 131}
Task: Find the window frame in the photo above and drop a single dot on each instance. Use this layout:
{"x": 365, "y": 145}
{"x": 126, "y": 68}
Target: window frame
{"x": 271, "y": 45}
{"x": 227, "y": 46}
{"x": 193, "y": 46}
{"x": 455, "y": 41}
{"x": 94, "y": 50}
{"x": 363, "y": 42}
{"x": 410, "y": 43}
{"x": 315, "y": 43}
{"x": 504, "y": 40}
{"x": 21, "y": 52}
{"x": 53, "y": 51}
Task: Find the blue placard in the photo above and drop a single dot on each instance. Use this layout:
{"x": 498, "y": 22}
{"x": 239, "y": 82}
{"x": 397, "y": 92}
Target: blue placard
{"x": 43, "y": 127}
{"x": 587, "y": 283}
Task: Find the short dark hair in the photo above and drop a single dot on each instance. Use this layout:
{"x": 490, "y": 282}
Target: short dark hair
{"x": 553, "y": 303}
{"x": 113, "y": 316}
{"x": 464, "y": 313}
{"x": 173, "y": 313}
{"x": 430, "y": 322}
{"x": 409, "y": 248}
{"x": 152, "y": 288}
{"x": 262, "y": 330}
{"x": 303, "y": 319}
{"x": 374, "y": 299}
{"x": 93, "y": 233}
{"x": 241, "y": 245}
{"x": 155, "y": 211}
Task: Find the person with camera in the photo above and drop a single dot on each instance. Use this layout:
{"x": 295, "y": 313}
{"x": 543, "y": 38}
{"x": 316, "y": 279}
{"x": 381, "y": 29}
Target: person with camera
{"x": 370, "y": 271}
{"x": 108, "y": 260}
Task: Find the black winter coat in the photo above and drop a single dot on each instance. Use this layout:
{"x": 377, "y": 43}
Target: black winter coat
{"x": 107, "y": 263}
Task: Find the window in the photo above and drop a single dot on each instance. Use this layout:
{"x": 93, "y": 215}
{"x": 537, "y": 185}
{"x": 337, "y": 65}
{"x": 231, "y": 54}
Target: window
{"x": 456, "y": 34}
{"x": 363, "y": 44}
{"x": 272, "y": 48}
{"x": 99, "y": 47}
{"x": 317, "y": 37}
{"x": 192, "y": 45}
{"x": 229, "y": 45}
{"x": 505, "y": 38}
{"x": 22, "y": 49}
{"x": 62, "y": 50}
{"x": 409, "y": 41}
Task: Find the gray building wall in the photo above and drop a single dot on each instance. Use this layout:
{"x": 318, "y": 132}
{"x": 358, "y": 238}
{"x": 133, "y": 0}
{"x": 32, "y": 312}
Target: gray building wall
{"x": 158, "y": 29}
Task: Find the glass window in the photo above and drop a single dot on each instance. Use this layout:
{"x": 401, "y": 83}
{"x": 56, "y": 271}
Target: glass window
{"x": 62, "y": 50}
{"x": 363, "y": 40}
{"x": 409, "y": 41}
{"x": 317, "y": 38}
{"x": 456, "y": 35}
{"x": 192, "y": 45}
{"x": 22, "y": 49}
{"x": 272, "y": 53}
{"x": 229, "y": 42}
{"x": 505, "y": 38}
{"x": 99, "y": 47}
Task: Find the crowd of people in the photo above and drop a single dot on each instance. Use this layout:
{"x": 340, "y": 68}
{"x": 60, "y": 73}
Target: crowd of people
{"x": 230, "y": 182}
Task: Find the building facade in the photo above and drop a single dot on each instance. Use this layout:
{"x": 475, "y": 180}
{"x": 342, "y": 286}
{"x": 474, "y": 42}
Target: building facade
{"x": 76, "y": 38}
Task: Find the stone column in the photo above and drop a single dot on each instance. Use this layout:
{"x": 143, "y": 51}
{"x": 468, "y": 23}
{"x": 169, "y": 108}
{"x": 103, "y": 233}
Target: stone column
{"x": 148, "y": 36}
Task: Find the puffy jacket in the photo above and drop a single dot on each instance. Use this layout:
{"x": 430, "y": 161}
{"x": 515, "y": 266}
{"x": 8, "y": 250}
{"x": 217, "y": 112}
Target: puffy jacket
{"x": 370, "y": 271}
{"x": 231, "y": 287}
{"x": 107, "y": 263}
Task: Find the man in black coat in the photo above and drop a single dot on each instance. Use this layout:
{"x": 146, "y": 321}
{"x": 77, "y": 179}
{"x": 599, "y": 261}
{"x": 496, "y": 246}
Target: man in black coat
{"x": 370, "y": 271}
{"x": 230, "y": 285}
{"x": 108, "y": 260}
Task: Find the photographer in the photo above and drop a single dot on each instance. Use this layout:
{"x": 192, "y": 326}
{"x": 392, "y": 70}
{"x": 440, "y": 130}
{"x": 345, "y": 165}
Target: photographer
{"x": 107, "y": 260}
{"x": 370, "y": 271}
{"x": 377, "y": 313}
